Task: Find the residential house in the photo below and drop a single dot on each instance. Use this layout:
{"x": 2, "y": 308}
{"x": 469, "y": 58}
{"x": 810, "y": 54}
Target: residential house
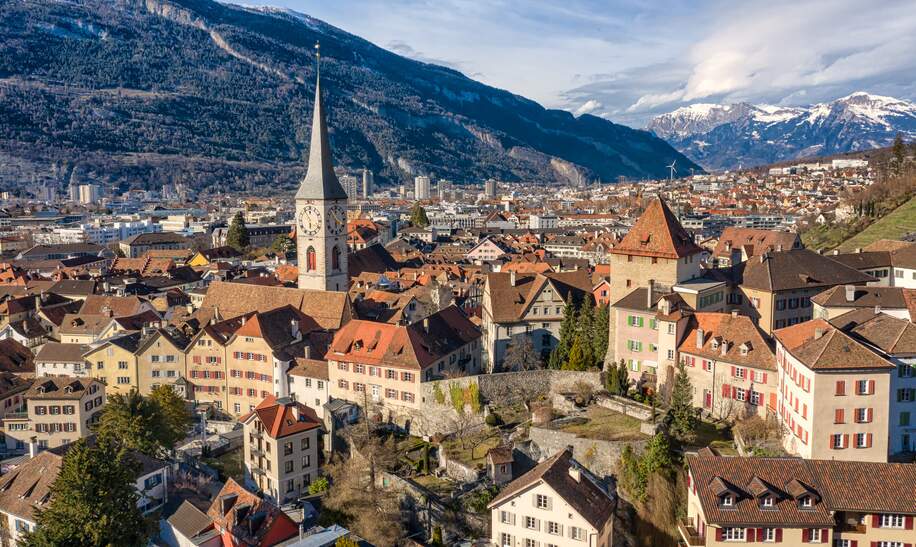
{"x": 57, "y": 410}
{"x": 56, "y": 359}
{"x": 559, "y": 502}
{"x": 281, "y": 443}
{"x": 488, "y": 250}
{"x": 836, "y": 301}
{"x": 244, "y": 519}
{"x": 834, "y": 394}
{"x": 382, "y": 366}
{"x": 138, "y": 245}
{"x": 796, "y": 501}
{"x": 737, "y": 245}
{"x": 527, "y": 305}
{"x": 309, "y": 384}
{"x": 161, "y": 359}
{"x": 775, "y": 289}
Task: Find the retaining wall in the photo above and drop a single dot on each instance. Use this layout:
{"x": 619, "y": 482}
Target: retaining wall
{"x": 598, "y": 456}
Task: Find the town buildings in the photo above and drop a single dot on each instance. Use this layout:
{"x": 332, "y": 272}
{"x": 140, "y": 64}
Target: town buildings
{"x": 797, "y": 502}
{"x": 281, "y": 440}
{"x": 559, "y": 502}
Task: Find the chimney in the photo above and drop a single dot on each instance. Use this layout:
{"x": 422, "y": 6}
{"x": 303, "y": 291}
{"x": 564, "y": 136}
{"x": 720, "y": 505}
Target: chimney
{"x": 294, "y": 328}
{"x": 426, "y": 325}
{"x": 734, "y": 314}
{"x": 33, "y": 446}
{"x": 575, "y": 473}
{"x": 779, "y": 247}
{"x": 877, "y": 310}
{"x": 649, "y": 290}
{"x": 244, "y": 319}
{"x": 850, "y": 292}
{"x": 700, "y": 338}
{"x": 723, "y": 348}
{"x": 728, "y": 246}
{"x": 858, "y": 250}
{"x": 818, "y": 333}
{"x": 512, "y": 278}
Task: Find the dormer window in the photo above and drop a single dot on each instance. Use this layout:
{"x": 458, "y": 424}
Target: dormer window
{"x": 805, "y": 501}
{"x": 767, "y": 501}
{"x": 744, "y": 348}
{"x": 728, "y": 500}
{"x": 715, "y": 344}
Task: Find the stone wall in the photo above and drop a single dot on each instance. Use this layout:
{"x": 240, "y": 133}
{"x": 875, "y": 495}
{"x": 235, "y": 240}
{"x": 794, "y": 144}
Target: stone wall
{"x": 512, "y": 387}
{"x": 456, "y": 469}
{"x": 600, "y": 457}
{"x": 627, "y": 407}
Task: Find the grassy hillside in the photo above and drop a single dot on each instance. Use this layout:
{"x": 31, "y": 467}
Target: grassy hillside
{"x": 900, "y": 222}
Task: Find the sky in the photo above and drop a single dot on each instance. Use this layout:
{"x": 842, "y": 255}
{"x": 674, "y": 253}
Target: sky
{"x": 629, "y": 60}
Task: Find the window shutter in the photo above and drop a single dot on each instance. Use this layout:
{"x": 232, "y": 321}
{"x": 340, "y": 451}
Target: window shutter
{"x": 733, "y": 372}
{"x": 718, "y": 534}
{"x": 868, "y": 415}
{"x": 764, "y": 377}
{"x": 760, "y": 536}
{"x": 841, "y": 388}
{"x": 726, "y": 390}
{"x": 838, "y": 416}
{"x": 845, "y": 440}
{"x": 908, "y": 522}
{"x": 779, "y": 535}
{"x": 871, "y": 387}
{"x": 853, "y": 543}
{"x": 868, "y": 440}
{"x": 876, "y": 521}
{"x": 734, "y": 392}
{"x": 749, "y": 534}
{"x": 806, "y": 535}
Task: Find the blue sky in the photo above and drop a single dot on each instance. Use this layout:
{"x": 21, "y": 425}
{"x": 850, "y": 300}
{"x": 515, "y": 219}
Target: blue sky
{"x": 629, "y": 60}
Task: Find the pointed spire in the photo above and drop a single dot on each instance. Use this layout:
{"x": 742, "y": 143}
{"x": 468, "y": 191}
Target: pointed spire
{"x": 320, "y": 181}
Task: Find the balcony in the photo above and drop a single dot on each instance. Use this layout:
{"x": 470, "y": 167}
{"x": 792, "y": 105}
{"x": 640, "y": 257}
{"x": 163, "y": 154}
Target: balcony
{"x": 689, "y": 533}
{"x": 850, "y": 528}
{"x": 257, "y": 452}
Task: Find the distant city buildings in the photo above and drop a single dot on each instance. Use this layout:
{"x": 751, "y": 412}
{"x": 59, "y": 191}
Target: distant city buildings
{"x": 421, "y": 187}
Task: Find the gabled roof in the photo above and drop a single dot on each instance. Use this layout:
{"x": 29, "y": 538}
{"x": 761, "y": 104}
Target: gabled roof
{"x": 585, "y": 496}
{"x": 657, "y": 233}
{"x": 320, "y": 181}
{"x": 863, "y": 297}
{"x": 892, "y": 335}
{"x": 15, "y": 358}
{"x": 821, "y": 346}
{"x": 736, "y": 331}
{"x": 248, "y": 519}
{"x": 510, "y": 302}
{"x": 55, "y": 352}
{"x": 797, "y": 269}
{"x": 329, "y": 309}
{"x": 754, "y": 241}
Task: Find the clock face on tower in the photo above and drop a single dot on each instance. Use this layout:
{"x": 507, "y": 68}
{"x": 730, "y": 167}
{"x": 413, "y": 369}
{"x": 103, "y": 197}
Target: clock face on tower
{"x": 310, "y": 220}
{"x": 337, "y": 220}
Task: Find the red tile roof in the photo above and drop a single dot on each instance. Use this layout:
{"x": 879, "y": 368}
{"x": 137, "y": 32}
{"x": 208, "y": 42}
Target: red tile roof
{"x": 283, "y": 417}
{"x": 657, "y": 233}
{"x": 821, "y": 346}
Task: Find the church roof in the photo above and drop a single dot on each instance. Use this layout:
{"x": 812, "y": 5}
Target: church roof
{"x": 320, "y": 181}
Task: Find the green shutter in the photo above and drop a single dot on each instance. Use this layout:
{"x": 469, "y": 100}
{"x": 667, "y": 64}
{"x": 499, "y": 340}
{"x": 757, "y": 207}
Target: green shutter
{"x": 904, "y": 418}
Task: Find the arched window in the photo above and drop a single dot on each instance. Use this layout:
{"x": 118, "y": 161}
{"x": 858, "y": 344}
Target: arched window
{"x": 335, "y": 258}
{"x": 310, "y": 260}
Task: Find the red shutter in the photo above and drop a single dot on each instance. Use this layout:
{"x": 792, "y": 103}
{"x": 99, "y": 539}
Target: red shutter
{"x": 749, "y": 535}
{"x": 841, "y": 388}
{"x": 779, "y": 535}
{"x": 764, "y": 377}
{"x": 806, "y": 535}
{"x": 845, "y": 440}
{"x": 760, "y": 536}
{"x": 853, "y": 543}
{"x": 838, "y": 416}
{"x": 733, "y": 372}
{"x": 876, "y": 521}
{"x": 718, "y": 534}
{"x": 726, "y": 390}
{"x": 734, "y": 392}
{"x": 908, "y": 522}
{"x": 868, "y": 440}
{"x": 871, "y": 387}
{"x": 874, "y": 544}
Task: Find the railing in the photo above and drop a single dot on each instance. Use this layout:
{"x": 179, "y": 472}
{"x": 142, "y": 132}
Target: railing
{"x": 16, "y": 416}
{"x": 689, "y": 532}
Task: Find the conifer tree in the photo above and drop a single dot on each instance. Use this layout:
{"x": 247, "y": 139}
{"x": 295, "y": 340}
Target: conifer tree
{"x": 418, "y": 216}
{"x": 600, "y": 335}
{"x": 577, "y": 357}
{"x": 567, "y": 335}
{"x": 612, "y": 381}
{"x": 899, "y": 151}
{"x": 682, "y": 415}
{"x": 237, "y": 236}
{"x": 586, "y": 327}
{"x": 93, "y": 501}
{"x": 623, "y": 375}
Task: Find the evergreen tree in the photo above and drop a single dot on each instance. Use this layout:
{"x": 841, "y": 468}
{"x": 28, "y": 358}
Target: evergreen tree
{"x": 176, "y": 420}
{"x": 133, "y": 422}
{"x": 586, "y": 328}
{"x": 93, "y": 501}
{"x": 567, "y": 334}
{"x": 623, "y": 375}
{"x": 577, "y": 356}
{"x": 418, "y": 216}
{"x": 600, "y": 335}
{"x": 282, "y": 244}
{"x": 612, "y": 381}
{"x": 237, "y": 236}
{"x": 681, "y": 415}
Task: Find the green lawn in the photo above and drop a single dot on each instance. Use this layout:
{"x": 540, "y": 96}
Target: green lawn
{"x": 895, "y": 225}
{"x": 472, "y": 449}
{"x": 606, "y": 425}
{"x": 714, "y": 436}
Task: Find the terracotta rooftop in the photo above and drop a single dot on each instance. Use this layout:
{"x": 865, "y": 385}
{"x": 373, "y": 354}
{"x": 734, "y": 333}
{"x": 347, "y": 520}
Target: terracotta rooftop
{"x": 736, "y": 331}
{"x": 328, "y": 309}
{"x": 892, "y": 335}
{"x": 657, "y": 232}
{"x": 283, "y": 417}
{"x": 797, "y": 269}
{"x": 821, "y": 346}
{"x": 753, "y": 241}
{"x": 510, "y": 302}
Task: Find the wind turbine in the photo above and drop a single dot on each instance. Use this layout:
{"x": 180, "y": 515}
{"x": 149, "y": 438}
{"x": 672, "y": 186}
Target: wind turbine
{"x": 673, "y": 170}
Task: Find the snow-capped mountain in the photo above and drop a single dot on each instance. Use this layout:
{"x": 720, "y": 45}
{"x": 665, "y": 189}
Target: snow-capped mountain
{"x": 742, "y": 134}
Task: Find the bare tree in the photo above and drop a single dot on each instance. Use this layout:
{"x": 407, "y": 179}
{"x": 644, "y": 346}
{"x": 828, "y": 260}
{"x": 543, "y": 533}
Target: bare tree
{"x": 521, "y": 355}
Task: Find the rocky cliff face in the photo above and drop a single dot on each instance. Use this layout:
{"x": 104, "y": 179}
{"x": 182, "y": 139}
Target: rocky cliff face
{"x": 143, "y": 92}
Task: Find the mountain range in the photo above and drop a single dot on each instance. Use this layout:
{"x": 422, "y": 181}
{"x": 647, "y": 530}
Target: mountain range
{"x": 728, "y": 136}
{"x": 146, "y": 92}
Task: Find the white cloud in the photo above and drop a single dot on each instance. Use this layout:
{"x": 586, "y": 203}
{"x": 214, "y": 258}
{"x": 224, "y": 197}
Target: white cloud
{"x": 588, "y": 107}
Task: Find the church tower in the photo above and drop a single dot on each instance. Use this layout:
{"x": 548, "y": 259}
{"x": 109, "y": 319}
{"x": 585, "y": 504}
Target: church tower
{"x": 321, "y": 213}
